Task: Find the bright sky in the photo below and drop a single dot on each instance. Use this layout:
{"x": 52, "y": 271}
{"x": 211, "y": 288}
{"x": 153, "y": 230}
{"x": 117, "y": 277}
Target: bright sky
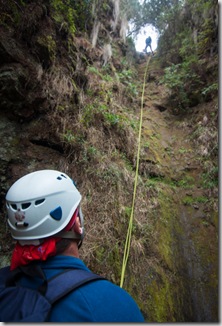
{"x": 144, "y": 33}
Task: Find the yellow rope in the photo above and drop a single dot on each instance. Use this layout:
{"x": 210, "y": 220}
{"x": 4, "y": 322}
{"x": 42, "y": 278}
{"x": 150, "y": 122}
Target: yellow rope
{"x": 129, "y": 231}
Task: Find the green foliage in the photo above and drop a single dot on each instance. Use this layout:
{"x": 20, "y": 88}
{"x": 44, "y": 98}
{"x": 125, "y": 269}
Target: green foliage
{"x": 211, "y": 89}
{"x": 83, "y": 13}
{"x": 89, "y": 153}
{"x": 160, "y": 12}
{"x": 189, "y": 200}
{"x": 70, "y": 138}
{"x": 111, "y": 118}
{"x": 155, "y": 13}
{"x": 190, "y": 36}
{"x": 94, "y": 70}
{"x": 103, "y": 74}
{"x": 71, "y": 15}
{"x": 88, "y": 114}
{"x": 203, "y": 11}
{"x": 186, "y": 183}
{"x": 184, "y": 82}
{"x": 132, "y": 9}
{"x": 127, "y": 77}
{"x": 202, "y": 199}
{"x": 210, "y": 178}
{"x": 93, "y": 111}
{"x": 64, "y": 15}
{"x": 183, "y": 150}
{"x": 204, "y": 37}
{"x": 154, "y": 183}
{"x": 185, "y": 44}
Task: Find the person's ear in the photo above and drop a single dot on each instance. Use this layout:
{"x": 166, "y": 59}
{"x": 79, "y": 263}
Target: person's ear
{"x": 77, "y": 226}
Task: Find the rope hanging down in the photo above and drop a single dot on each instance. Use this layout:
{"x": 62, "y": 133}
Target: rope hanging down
{"x": 130, "y": 226}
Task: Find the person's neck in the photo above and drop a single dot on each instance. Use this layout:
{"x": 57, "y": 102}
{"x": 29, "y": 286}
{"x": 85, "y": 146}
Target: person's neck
{"x": 72, "y": 250}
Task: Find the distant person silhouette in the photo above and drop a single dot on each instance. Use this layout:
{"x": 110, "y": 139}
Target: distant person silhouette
{"x": 148, "y": 43}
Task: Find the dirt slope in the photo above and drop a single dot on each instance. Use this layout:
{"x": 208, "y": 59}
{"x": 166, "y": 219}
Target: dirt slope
{"x": 187, "y": 238}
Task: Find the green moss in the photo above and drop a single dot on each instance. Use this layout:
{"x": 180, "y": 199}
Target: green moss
{"x": 114, "y": 261}
{"x": 214, "y": 220}
{"x": 164, "y": 292}
{"x": 64, "y": 15}
{"x": 51, "y": 44}
{"x": 109, "y": 259}
{"x": 165, "y": 227}
{"x": 164, "y": 301}
{"x": 47, "y": 42}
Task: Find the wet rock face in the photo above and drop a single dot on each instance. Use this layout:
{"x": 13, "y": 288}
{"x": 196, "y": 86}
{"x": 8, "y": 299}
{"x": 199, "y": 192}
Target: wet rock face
{"x": 27, "y": 49}
{"x": 35, "y": 78}
{"x": 14, "y": 86}
{"x": 23, "y": 99}
{"x": 20, "y": 72}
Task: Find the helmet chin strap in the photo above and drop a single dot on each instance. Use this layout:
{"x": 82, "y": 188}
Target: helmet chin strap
{"x": 72, "y": 235}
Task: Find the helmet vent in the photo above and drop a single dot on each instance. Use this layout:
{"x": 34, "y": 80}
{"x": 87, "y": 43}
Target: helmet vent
{"x": 61, "y": 176}
{"x": 14, "y": 207}
{"x": 26, "y": 205}
{"x": 39, "y": 201}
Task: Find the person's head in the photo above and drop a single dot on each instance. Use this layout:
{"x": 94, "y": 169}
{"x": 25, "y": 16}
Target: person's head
{"x": 44, "y": 204}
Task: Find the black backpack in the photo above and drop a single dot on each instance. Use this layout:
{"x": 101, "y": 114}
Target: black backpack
{"x": 148, "y": 40}
{"x": 20, "y": 304}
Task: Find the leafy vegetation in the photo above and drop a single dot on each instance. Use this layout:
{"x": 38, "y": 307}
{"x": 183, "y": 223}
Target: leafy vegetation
{"x": 185, "y": 46}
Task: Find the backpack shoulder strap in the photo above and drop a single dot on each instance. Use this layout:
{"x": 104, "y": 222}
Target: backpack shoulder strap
{"x": 67, "y": 281}
{"x": 4, "y": 272}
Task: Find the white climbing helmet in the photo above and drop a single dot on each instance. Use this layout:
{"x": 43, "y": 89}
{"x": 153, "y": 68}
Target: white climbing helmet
{"x": 41, "y": 204}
